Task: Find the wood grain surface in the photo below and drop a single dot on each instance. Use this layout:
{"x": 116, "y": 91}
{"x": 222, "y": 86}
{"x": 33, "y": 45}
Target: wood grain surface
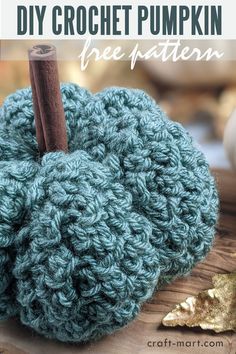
{"x": 146, "y": 334}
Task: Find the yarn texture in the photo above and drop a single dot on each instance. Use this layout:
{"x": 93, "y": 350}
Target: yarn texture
{"x": 87, "y": 237}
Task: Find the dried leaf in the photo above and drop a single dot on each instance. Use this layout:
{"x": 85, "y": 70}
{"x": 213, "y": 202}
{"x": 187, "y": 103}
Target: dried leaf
{"x": 211, "y": 309}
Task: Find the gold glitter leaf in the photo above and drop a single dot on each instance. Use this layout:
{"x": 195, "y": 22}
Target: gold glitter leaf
{"x": 211, "y": 309}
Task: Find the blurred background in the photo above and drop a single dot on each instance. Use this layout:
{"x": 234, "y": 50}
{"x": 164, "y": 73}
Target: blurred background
{"x": 200, "y": 95}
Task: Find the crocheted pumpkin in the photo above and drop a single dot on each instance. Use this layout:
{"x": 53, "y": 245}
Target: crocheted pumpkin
{"x": 86, "y": 237}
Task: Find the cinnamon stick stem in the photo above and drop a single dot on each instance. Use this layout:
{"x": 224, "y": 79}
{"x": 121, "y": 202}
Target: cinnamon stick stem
{"x": 48, "y": 108}
{"x": 37, "y": 115}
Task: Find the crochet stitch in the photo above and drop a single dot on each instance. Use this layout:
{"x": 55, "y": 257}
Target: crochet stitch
{"x": 86, "y": 237}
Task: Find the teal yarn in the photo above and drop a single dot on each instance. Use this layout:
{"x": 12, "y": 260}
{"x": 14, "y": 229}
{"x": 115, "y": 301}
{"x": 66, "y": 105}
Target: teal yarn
{"x": 85, "y": 261}
{"x": 14, "y": 179}
{"x": 86, "y": 237}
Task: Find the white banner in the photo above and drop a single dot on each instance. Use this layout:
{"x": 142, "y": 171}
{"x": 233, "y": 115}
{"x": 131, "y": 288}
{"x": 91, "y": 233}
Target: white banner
{"x": 123, "y": 19}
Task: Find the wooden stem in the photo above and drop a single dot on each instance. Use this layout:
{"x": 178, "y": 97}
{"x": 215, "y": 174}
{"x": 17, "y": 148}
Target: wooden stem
{"x": 48, "y": 108}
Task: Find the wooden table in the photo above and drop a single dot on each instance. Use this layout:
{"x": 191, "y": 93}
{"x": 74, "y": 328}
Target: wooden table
{"x": 146, "y": 334}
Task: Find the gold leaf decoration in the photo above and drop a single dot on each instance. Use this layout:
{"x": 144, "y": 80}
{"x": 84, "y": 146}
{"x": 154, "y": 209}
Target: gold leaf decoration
{"x": 211, "y": 309}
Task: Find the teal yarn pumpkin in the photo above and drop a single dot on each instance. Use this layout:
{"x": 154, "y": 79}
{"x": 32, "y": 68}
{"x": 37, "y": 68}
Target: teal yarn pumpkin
{"x": 87, "y": 237}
